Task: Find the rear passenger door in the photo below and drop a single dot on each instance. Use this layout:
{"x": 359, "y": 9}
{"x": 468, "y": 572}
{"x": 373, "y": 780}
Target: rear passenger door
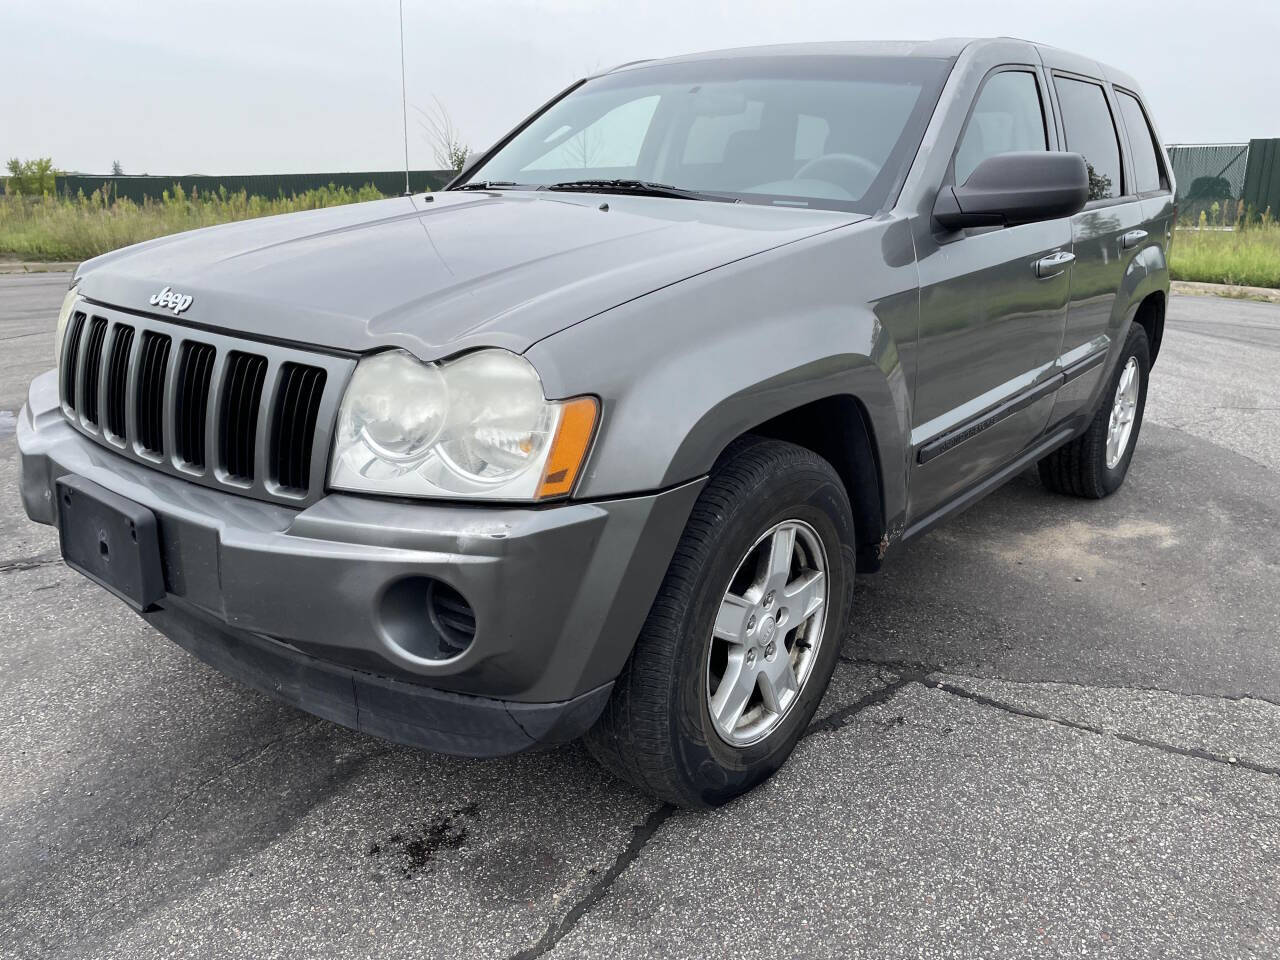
{"x": 1105, "y": 237}
{"x": 991, "y": 318}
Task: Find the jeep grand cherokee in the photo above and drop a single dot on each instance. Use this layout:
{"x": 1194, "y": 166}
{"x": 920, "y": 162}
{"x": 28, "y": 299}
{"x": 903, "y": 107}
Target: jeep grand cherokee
{"x": 593, "y": 441}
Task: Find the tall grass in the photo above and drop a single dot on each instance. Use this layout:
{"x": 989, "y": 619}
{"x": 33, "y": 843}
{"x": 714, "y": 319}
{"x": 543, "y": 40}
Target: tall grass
{"x": 58, "y": 228}
{"x": 1249, "y": 256}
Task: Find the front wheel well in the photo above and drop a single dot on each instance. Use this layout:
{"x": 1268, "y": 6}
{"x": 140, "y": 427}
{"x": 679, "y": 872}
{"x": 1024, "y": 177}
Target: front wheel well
{"x": 1150, "y": 316}
{"x": 839, "y": 430}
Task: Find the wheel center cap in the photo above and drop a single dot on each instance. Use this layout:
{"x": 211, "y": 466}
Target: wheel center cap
{"x": 767, "y": 629}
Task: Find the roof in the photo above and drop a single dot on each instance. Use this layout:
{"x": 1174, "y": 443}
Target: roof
{"x": 948, "y": 48}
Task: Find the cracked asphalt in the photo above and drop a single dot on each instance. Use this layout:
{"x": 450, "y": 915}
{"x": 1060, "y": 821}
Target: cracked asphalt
{"x": 1054, "y": 731}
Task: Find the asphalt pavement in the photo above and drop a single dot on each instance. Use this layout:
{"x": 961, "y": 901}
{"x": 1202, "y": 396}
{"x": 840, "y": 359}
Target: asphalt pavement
{"x": 1054, "y": 731}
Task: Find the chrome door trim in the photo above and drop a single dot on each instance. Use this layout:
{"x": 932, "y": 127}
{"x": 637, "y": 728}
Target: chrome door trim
{"x": 953, "y": 428}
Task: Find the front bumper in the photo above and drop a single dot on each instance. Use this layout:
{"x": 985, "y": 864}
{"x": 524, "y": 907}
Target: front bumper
{"x": 319, "y": 606}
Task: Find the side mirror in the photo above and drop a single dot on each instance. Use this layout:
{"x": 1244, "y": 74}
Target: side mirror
{"x": 1007, "y": 189}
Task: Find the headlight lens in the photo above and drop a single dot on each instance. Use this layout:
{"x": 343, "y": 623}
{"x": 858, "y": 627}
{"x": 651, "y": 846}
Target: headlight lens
{"x": 476, "y": 427}
{"x": 64, "y": 315}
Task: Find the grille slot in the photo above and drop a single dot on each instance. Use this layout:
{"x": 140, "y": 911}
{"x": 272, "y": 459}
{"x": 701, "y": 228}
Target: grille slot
{"x": 71, "y": 354}
{"x": 191, "y": 402}
{"x": 117, "y": 379}
{"x": 296, "y": 409}
{"x": 241, "y": 397}
{"x": 92, "y": 367}
{"x": 149, "y": 402}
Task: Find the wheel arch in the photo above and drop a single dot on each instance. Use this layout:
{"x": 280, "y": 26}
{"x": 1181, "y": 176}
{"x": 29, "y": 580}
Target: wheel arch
{"x": 839, "y": 429}
{"x": 1149, "y": 315}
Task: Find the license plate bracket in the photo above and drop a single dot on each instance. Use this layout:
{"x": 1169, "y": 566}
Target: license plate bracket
{"x": 111, "y": 540}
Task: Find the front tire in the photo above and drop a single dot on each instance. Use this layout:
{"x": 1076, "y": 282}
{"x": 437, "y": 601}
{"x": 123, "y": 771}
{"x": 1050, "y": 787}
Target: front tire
{"x": 744, "y": 634}
{"x": 1094, "y": 464}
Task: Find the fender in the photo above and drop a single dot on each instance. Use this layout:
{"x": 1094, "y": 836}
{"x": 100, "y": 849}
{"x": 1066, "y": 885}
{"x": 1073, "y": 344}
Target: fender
{"x": 686, "y": 369}
{"x": 1147, "y": 273}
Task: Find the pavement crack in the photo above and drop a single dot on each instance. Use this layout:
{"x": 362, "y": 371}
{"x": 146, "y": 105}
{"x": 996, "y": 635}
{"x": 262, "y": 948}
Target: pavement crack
{"x": 641, "y": 834}
{"x": 1190, "y": 752}
{"x": 238, "y": 761}
{"x": 843, "y": 716}
{"x": 29, "y": 563}
{"x": 903, "y": 666}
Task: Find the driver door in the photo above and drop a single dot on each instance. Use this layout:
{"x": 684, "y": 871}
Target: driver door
{"x": 993, "y": 308}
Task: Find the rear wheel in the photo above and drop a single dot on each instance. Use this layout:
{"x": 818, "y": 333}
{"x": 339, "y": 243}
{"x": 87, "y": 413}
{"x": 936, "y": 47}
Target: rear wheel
{"x": 1095, "y": 463}
{"x": 743, "y": 635}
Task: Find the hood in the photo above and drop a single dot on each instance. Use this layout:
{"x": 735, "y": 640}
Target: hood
{"x": 439, "y": 273}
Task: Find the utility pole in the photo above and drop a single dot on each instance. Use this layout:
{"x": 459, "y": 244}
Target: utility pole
{"x": 404, "y": 103}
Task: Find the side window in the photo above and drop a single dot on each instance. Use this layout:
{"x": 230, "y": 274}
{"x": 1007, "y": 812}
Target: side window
{"x": 1091, "y": 132}
{"x": 1146, "y": 166}
{"x": 1007, "y": 116}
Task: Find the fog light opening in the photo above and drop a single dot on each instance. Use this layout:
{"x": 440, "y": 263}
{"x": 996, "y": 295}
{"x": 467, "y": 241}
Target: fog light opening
{"x": 427, "y": 619}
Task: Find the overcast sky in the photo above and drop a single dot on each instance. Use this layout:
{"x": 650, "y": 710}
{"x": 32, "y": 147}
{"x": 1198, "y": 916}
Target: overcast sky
{"x": 274, "y": 86}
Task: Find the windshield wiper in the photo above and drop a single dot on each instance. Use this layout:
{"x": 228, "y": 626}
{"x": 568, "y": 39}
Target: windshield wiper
{"x": 487, "y": 185}
{"x": 644, "y": 188}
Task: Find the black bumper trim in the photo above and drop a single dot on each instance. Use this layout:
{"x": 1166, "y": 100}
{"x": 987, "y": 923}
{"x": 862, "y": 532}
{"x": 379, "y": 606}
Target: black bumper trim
{"x": 405, "y": 713}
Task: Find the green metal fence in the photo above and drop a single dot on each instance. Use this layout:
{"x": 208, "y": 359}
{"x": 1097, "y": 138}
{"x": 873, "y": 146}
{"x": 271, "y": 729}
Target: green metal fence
{"x": 1262, "y": 179}
{"x": 1208, "y": 174}
{"x": 388, "y": 182}
{"x": 1226, "y": 181}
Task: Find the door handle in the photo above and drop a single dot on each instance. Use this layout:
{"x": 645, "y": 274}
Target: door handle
{"x": 1053, "y": 264}
{"x": 1132, "y": 239}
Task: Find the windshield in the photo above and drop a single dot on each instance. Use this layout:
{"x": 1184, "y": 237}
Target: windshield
{"x": 822, "y": 131}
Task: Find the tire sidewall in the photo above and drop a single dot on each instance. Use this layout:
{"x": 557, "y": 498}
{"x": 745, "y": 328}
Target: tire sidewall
{"x": 713, "y": 769}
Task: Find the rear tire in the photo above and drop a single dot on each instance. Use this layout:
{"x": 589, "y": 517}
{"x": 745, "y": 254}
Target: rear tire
{"x": 1094, "y": 464}
{"x": 765, "y": 500}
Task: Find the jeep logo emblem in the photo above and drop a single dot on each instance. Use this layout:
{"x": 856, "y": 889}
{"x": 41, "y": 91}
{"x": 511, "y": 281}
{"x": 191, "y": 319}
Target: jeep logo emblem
{"x": 166, "y": 299}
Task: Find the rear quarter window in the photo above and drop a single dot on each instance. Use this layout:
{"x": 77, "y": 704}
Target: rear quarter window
{"x": 1091, "y": 131}
{"x": 1142, "y": 144}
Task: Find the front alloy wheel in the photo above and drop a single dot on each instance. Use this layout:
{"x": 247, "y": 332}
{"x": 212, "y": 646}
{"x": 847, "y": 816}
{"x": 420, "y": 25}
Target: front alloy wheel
{"x": 767, "y": 632}
{"x": 743, "y": 636}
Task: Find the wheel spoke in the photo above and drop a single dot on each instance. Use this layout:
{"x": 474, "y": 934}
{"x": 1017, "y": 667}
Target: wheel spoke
{"x": 731, "y": 618}
{"x": 735, "y": 689}
{"x": 804, "y": 597}
{"x": 778, "y": 682}
{"x": 781, "y": 547}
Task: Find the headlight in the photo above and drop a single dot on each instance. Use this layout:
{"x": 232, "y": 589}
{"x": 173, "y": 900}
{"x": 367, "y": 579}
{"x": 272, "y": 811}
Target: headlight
{"x": 68, "y": 307}
{"x": 476, "y": 427}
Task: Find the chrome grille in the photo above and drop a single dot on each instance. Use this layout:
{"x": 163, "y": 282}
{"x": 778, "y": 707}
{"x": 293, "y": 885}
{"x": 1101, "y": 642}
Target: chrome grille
{"x": 228, "y": 412}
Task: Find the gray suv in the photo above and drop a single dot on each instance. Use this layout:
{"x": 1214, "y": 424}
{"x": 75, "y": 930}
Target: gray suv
{"x": 594, "y": 441}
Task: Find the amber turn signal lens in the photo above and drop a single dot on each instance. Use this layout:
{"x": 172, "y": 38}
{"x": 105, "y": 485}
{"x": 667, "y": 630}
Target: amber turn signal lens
{"x": 569, "y": 448}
